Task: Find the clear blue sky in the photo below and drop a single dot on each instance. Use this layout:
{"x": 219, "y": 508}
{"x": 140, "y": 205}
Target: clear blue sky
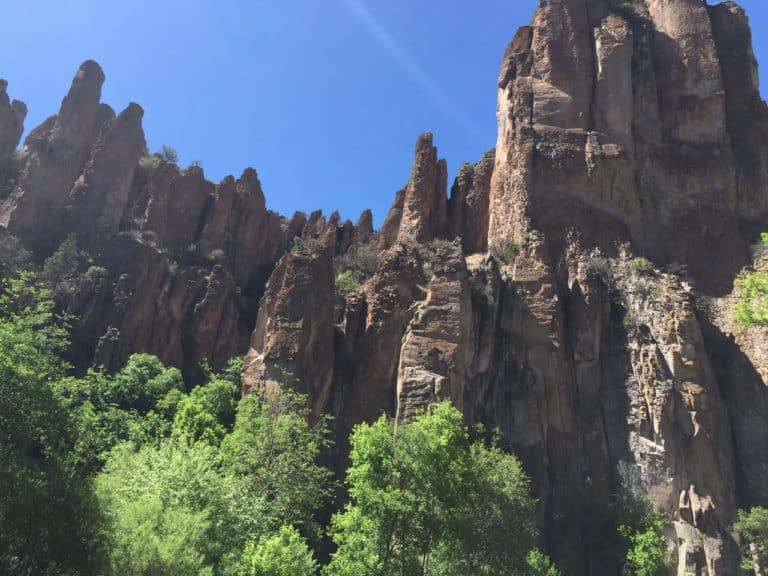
{"x": 325, "y": 98}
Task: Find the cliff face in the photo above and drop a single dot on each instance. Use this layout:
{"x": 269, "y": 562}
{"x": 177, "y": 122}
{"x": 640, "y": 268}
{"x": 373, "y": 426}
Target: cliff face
{"x": 625, "y": 129}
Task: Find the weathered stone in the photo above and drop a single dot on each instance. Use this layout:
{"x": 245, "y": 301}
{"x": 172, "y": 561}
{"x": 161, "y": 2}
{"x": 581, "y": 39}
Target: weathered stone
{"x": 468, "y": 205}
{"x": 12, "y": 115}
{"x": 293, "y": 343}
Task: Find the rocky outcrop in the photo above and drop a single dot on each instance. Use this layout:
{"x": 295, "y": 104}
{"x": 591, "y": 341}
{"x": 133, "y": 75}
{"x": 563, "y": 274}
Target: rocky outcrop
{"x": 12, "y": 114}
{"x": 179, "y": 264}
{"x": 100, "y": 195}
{"x": 643, "y": 149}
{"x": 293, "y": 343}
{"x": 435, "y": 346}
{"x": 468, "y": 205}
{"x": 54, "y": 156}
{"x": 422, "y": 214}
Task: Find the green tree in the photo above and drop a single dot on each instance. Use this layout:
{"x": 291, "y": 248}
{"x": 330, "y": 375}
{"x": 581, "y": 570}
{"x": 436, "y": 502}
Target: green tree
{"x": 160, "y": 502}
{"x": 753, "y": 526}
{"x": 61, "y": 270}
{"x": 283, "y": 555}
{"x": 648, "y": 548}
{"x": 169, "y": 154}
{"x": 48, "y": 521}
{"x": 426, "y": 500}
{"x": 207, "y": 413}
{"x": 272, "y": 456}
{"x": 752, "y": 291}
{"x": 109, "y": 409}
{"x": 196, "y": 497}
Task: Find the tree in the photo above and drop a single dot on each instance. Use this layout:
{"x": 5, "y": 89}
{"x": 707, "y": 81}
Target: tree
{"x": 426, "y": 500}
{"x": 139, "y": 403}
{"x": 61, "y": 270}
{"x": 272, "y": 456}
{"x": 752, "y": 290}
{"x": 197, "y": 497}
{"x": 207, "y": 413}
{"x": 753, "y": 526}
{"x": 48, "y": 521}
{"x": 160, "y": 503}
{"x": 648, "y": 548}
{"x": 169, "y": 154}
{"x": 283, "y": 555}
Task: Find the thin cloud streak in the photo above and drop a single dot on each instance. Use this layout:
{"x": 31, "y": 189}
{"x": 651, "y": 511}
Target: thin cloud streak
{"x": 431, "y": 88}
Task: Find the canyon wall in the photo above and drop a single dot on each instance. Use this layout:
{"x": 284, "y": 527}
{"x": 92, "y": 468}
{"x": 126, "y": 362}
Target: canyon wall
{"x": 626, "y": 129}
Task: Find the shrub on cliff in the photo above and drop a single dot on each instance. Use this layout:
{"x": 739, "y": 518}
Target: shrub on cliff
{"x": 752, "y": 291}
{"x": 348, "y": 282}
{"x": 61, "y": 270}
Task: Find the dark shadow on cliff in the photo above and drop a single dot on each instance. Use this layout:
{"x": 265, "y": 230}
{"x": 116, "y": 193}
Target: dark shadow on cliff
{"x": 746, "y": 400}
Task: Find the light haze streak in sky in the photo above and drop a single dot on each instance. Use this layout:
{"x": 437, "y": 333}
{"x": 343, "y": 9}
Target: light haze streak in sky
{"x": 412, "y": 68}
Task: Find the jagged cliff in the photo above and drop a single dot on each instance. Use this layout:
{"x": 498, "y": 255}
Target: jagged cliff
{"x": 625, "y": 129}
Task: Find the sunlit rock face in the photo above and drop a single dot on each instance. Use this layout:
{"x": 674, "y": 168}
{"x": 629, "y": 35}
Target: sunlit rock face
{"x": 626, "y": 129}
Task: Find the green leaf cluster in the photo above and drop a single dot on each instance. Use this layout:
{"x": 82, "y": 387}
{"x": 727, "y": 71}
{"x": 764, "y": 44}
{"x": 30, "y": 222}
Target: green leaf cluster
{"x": 753, "y": 526}
{"x": 752, "y": 291}
{"x": 426, "y": 499}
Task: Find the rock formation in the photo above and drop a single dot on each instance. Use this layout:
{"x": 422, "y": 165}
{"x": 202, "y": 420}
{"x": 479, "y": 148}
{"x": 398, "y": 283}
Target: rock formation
{"x": 626, "y": 129}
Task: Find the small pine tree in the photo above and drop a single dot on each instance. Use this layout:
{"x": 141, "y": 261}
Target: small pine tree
{"x": 169, "y": 154}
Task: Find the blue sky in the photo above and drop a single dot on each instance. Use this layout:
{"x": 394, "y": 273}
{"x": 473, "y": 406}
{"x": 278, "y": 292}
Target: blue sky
{"x": 325, "y": 98}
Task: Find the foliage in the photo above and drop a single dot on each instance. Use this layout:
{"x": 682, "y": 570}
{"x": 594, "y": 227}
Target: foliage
{"x": 272, "y": 452}
{"x": 539, "y": 564}
{"x": 151, "y": 162}
{"x": 207, "y": 413}
{"x": 752, "y": 306}
{"x": 753, "y": 526}
{"x": 609, "y": 535}
{"x": 752, "y": 291}
{"x": 348, "y": 282}
{"x": 511, "y": 252}
{"x": 48, "y": 523}
{"x": 585, "y": 531}
{"x": 204, "y": 492}
{"x": 362, "y": 258}
{"x": 61, "y": 270}
{"x": 648, "y": 548}
{"x": 169, "y": 154}
{"x": 304, "y": 245}
{"x": 641, "y": 265}
{"x": 96, "y": 273}
{"x": 283, "y": 555}
{"x": 425, "y": 499}
{"x": 159, "y": 502}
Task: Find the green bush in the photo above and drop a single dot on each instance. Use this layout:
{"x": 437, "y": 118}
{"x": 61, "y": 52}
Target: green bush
{"x": 641, "y": 265}
{"x": 648, "y": 548}
{"x": 305, "y": 245}
{"x": 509, "y": 252}
{"x": 348, "y": 282}
{"x": 96, "y": 273}
{"x": 150, "y": 162}
{"x": 62, "y": 268}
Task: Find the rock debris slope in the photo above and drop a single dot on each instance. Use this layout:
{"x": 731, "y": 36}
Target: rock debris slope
{"x": 626, "y": 129}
